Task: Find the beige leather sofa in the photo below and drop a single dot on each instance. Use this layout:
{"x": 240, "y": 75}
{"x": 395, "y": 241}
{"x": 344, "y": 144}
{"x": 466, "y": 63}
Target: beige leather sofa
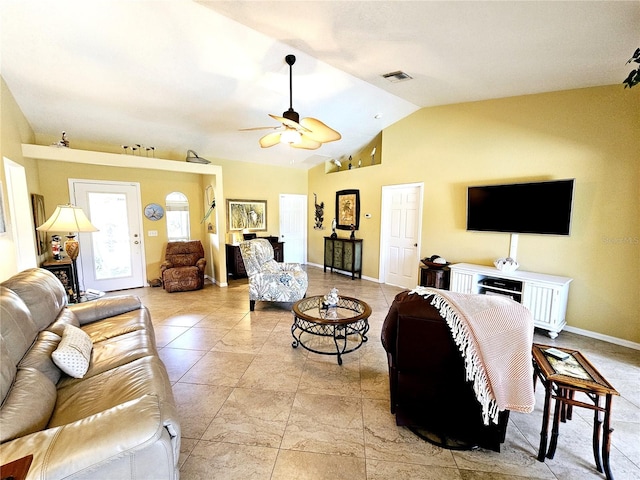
{"x": 118, "y": 421}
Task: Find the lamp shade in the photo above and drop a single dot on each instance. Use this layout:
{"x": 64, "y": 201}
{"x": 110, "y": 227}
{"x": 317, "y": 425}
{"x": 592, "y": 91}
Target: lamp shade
{"x": 67, "y": 218}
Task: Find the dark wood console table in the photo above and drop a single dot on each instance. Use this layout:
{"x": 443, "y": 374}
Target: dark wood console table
{"x": 343, "y": 254}
{"x": 235, "y": 264}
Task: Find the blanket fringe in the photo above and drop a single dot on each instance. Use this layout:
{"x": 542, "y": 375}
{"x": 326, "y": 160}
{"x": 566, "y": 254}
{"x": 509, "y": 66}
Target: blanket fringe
{"x": 474, "y": 369}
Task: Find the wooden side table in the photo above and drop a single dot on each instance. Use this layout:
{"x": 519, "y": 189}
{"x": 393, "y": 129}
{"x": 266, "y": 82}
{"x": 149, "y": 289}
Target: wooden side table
{"x": 434, "y": 275}
{"x": 16, "y": 470}
{"x": 562, "y": 379}
{"x": 66, "y": 272}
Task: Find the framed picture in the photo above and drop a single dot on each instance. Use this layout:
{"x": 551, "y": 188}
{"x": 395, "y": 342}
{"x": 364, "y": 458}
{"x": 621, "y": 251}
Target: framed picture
{"x": 246, "y": 215}
{"x": 348, "y": 209}
{"x": 37, "y": 202}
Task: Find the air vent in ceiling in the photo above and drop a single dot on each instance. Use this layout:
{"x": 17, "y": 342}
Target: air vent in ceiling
{"x": 398, "y": 76}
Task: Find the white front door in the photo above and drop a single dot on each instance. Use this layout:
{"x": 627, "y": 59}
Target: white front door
{"x": 112, "y": 258}
{"x": 293, "y": 227}
{"x": 401, "y": 226}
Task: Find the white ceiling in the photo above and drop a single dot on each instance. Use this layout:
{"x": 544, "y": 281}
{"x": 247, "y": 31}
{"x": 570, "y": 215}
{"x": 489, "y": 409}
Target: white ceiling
{"x": 182, "y": 74}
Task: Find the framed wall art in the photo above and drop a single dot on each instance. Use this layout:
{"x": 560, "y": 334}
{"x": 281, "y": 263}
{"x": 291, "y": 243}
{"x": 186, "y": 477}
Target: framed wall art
{"x": 348, "y": 209}
{"x": 37, "y": 203}
{"x": 247, "y": 215}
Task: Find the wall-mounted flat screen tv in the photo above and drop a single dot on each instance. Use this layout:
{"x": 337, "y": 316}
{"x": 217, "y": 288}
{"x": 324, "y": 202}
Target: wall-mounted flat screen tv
{"x": 537, "y": 207}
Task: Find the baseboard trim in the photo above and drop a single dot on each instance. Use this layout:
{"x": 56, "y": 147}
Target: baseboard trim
{"x": 604, "y": 338}
{"x": 215, "y": 282}
{"x": 344, "y": 272}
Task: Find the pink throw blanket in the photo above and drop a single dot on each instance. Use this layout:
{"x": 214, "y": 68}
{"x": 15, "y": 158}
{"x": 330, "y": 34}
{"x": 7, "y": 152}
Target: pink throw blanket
{"x": 494, "y": 335}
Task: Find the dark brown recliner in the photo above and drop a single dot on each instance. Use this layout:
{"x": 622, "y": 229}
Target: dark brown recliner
{"x": 428, "y": 387}
{"x": 183, "y": 268}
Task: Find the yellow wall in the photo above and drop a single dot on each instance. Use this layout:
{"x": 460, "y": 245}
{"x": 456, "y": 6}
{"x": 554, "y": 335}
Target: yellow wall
{"x": 591, "y": 135}
{"x": 13, "y": 132}
{"x": 154, "y": 187}
{"x": 252, "y": 181}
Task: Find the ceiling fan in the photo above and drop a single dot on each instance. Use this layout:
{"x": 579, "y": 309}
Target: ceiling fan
{"x": 308, "y": 133}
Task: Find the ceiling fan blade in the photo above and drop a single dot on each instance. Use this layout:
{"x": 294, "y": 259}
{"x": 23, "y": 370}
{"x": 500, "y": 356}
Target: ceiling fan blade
{"x": 289, "y": 123}
{"x": 318, "y": 131}
{"x": 259, "y": 128}
{"x": 306, "y": 142}
{"x": 270, "y": 139}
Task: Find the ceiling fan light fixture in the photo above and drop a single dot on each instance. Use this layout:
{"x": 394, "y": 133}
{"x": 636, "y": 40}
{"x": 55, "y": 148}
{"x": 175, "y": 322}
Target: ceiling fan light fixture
{"x": 306, "y": 133}
{"x": 290, "y": 136}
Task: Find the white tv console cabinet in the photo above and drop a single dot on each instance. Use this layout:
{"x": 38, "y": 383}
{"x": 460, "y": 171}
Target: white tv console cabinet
{"x": 544, "y": 295}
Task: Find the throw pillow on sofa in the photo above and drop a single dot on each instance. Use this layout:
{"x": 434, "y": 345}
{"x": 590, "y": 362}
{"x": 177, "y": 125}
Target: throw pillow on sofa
{"x": 73, "y": 354}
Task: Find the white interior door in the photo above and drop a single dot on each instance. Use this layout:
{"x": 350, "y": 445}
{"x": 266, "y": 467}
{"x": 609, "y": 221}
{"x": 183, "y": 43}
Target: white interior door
{"x": 401, "y": 227}
{"x": 112, "y": 258}
{"x": 293, "y": 227}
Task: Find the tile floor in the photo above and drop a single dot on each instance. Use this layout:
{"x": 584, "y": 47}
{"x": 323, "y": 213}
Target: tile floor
{"x": 253, "y": 407}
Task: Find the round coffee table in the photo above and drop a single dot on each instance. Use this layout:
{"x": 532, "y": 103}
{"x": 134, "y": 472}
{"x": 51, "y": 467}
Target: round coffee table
{"x": 347, "y": 324}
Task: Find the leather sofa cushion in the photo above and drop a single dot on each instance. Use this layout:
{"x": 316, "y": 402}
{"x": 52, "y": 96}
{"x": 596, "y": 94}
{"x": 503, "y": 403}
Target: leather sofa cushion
{"x": 42, "y": 292}
{"x": 39, "y": 356}
{"x": 65, "y": 318}
{"x": 115, "y": 352}
{"x": 16, "y": 328}
{"x": 96, "y": 394}
{"x": 106, "y": 307}
{"x": 28, "y": 405}
{"x": 124, "y": 323}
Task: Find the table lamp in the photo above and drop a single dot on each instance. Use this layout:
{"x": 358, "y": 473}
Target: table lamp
{"x": 68, "y": 218}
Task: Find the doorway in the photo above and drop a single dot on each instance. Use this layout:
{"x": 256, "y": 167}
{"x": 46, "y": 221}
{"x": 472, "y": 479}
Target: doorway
{"x": 293, "y": 227}
{"x": 401, "y": 230}
{"x": 112, "y": 258}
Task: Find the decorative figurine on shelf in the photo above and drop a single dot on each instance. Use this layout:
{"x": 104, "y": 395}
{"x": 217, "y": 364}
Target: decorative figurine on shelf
{"x": 63, "y": 141}
{"x": 56, "y": 248}
{"x": 334, "y": 224}
{"x": 353, "y": 232}
{"x": 350, "y": 165}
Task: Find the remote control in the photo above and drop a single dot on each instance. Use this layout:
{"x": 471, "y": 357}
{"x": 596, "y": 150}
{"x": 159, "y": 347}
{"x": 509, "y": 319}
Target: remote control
{"x": 555, "y": 353}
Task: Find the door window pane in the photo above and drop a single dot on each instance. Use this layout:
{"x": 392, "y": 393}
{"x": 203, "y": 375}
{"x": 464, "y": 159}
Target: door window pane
{"x": 111, "y": 244}
{"x": 177, "y": 208}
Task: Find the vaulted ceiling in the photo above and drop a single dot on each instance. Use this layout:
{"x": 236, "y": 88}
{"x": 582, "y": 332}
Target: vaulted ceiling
{"x": 182, "y": 74}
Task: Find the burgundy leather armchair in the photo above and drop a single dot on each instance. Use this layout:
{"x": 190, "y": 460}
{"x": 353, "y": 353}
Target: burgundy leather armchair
{"x": 183, "y": 268}
{"x": 428, "y": 388}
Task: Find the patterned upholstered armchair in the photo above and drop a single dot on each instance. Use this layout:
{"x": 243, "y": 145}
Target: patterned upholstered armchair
{"x": 269, "y": 280}
{"x": 183, "y": 268}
